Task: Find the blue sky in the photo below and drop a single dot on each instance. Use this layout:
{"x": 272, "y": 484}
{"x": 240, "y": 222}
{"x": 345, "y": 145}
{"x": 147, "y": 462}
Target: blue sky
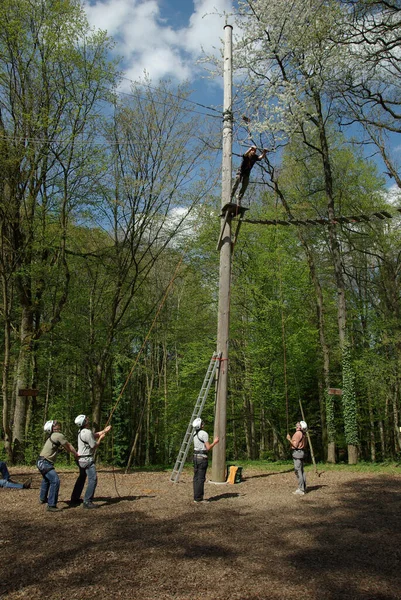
{"x": 165, "y": 38}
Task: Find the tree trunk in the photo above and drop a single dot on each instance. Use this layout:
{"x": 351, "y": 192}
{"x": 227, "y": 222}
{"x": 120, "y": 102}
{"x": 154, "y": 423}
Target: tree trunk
{"x": 352, "y": 454}
{"x": 382, "y": 439}
{"x": 397, "y": 434}
{"x": 331, "y": 452}
{"x": 6, "y": 371}
{"x": 23, "y": 382}
{"x": 372, "y": 431}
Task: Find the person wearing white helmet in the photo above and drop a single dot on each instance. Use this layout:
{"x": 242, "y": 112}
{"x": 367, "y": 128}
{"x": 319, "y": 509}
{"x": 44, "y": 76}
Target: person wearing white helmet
{"x": 201, "y": 448}
{"x": 50, "y": 480}
{"x": 298, "y": 444}
{"x": 87, "y": 444}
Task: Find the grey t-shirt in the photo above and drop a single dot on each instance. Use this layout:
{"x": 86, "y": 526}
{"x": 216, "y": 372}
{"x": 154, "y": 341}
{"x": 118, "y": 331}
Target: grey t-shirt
{"x": 200, "y": 437}
{"x": 86, "y": 442}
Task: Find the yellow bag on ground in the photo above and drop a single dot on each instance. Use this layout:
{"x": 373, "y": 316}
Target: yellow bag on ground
{"x": 231, "y": 474}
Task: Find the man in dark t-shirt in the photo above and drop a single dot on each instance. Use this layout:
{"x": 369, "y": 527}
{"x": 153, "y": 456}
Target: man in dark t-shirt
{"x": 248, "y": 160}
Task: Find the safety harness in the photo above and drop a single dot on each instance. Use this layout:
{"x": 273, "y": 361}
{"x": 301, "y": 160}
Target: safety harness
{"x": 201, "y": 453}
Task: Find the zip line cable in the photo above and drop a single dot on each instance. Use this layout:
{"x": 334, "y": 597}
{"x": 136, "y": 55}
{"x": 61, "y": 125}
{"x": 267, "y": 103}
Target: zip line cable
{"x": 131, "y": 95}
{"x": 170, "y": 94}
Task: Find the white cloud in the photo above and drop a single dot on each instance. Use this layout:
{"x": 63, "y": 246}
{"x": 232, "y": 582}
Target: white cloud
{"x": 148, "y": 43}
{"x": 206, "y": 26}
{"x": 393, "y": 195}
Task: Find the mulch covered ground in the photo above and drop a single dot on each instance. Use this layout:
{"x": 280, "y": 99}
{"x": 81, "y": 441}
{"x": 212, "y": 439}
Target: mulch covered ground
{"x": 254, "y": 540}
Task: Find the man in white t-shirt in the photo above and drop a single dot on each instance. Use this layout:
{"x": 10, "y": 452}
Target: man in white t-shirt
{"x": 201, "y": 448}
{"x": 87, "y": 444}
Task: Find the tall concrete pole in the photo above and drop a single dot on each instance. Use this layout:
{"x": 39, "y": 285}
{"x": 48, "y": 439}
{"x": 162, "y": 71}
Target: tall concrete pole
{"x": 219, "y": 451}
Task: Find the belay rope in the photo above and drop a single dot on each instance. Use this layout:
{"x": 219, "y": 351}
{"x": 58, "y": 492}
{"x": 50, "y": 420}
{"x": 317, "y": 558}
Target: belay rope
{"x": 283, "y": 336}
{"x": 162, "y": 302}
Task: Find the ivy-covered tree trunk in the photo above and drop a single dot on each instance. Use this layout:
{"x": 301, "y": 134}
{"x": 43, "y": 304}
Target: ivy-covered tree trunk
{"x": 372, "y": 440}
{"x": 349, "y": 406}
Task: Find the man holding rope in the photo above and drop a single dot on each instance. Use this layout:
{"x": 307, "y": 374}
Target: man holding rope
{"x": 298, "y": 444}
{"x": 88, "y": 442}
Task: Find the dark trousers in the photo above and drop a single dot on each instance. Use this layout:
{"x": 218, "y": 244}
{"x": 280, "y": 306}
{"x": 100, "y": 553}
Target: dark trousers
{"x": 79, "y": 486}
{"x": 200, "y": 468}
{"x": 243, "y": 180}
{"x": 89, "y": 473}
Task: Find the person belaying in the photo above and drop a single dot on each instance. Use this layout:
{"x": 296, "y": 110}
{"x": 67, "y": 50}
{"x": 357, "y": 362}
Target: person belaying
{"x": 55, "y": 443}
{"x": 298, "y": 444}
{"x": 87, "y": 444}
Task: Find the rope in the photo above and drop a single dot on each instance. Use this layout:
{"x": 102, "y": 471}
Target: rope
{"x": 112, "y": 458}
{"x": 285, "y": 363}
{"x": 282, "y": 330}
{"x": 146, "y": 338}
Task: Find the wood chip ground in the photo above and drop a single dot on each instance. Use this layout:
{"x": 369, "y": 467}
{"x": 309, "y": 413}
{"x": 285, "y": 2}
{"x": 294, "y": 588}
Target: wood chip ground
{"x": 253, "y": 540}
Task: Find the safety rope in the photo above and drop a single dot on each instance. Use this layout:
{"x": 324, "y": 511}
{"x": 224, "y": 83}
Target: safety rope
{"x": 283, "y": 333}
{"x": 283, "y": 336}
{"x": 170, "y": 285}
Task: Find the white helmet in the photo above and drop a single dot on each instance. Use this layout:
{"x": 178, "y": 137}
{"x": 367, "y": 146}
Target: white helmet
{"x": 48, "y": 427}
{"x": 197, "y": 423}
{"x": 303, "y": 425}
{"x": 80, "y": 420}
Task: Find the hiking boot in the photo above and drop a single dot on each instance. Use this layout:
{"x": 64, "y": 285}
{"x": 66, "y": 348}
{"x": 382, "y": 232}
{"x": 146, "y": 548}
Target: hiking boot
{"x": 53, "y": 508}
{"x": 89, "y": 505}
{"x": 74, "y": 503}
{"x": 27, "y": 484}
{"x": 299, "y": 493}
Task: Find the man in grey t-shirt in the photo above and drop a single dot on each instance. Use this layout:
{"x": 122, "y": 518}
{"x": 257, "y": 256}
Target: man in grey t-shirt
{"x": 87, "y": 444}
{"x": 201, "y": 448}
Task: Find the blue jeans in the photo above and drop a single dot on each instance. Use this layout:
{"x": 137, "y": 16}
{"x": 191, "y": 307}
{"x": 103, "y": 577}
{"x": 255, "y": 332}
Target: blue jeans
{"x": 92, "y": 483}
{"x": 200, "y": 468}
{"x": 4, "y": 471}
{"x": 50, "y": 487}
{"x": 4, "y": 483}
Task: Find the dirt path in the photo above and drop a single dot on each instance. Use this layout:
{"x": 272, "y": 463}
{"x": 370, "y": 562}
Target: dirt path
{"x": 255, "y": 540}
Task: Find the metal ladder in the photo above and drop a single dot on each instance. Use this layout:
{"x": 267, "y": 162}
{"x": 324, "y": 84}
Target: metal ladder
{"x": 207, "y": 382}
